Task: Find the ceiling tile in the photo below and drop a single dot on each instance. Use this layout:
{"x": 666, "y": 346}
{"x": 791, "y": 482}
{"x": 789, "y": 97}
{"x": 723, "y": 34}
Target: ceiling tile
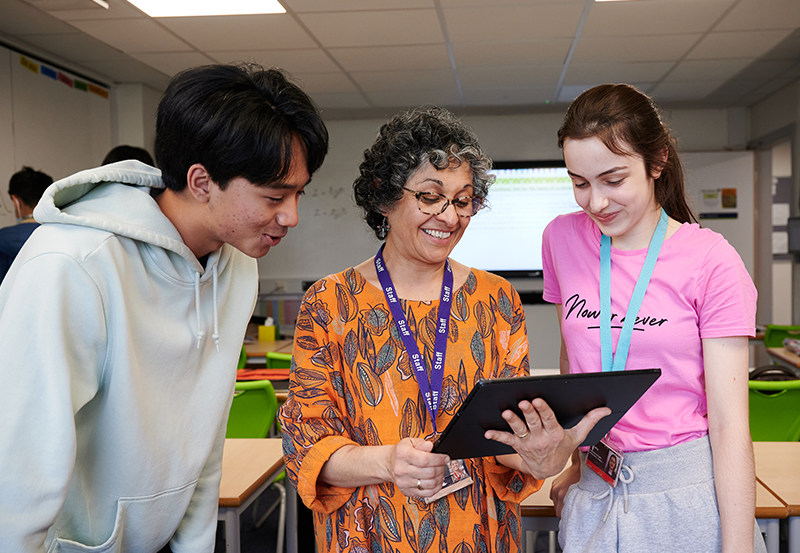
{"x": 172, "y": 63}
{"x": 19, "y": 18}
{"x": 684, "y": 90}
{"x": 325, "y": 82}
{"x": 532, "y": 53}
{"x": 77, "y": 46}
{"x": 233, "y": 32}
{"x": 294, "y": 61}
{"x": 736, "y": 44}
{"x": 372, "y": 81}
{"x": 511, "y": 77}
{"x": 513, "y": 23}
{"x": 340, "y": 100}
{"x": 117, "y": 9}
{"x": 508, "y": 96}
{"x": 133, "y": 35}
{"x": 403, "y": 100}
{"x": 304, "y": 6}
{"x": 654, "y": 17}
{"x": 626, "y": 49}
{"x": 375, "y": 28}
{"x": 762, "y": 14}
{"x": 130, "y": 71}
{"x": 579, "y": 73}
{"x": 688, "y": 70}
{"x": 381, "y": 58}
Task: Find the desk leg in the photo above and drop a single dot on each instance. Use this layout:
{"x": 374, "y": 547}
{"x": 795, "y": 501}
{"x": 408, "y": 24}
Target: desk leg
{"x": 291, "y": 518}
{"x": 770, "y": 527}
{"x": 794, "y": 534}
{"x": 232, "y": 536}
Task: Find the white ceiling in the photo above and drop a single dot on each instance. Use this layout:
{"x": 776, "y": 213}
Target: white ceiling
{"x": 372, "y": 57}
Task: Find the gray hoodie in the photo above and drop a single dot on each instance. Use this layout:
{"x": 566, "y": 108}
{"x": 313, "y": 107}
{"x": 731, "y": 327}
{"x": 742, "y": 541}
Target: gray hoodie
{"x": 118, "y": 354}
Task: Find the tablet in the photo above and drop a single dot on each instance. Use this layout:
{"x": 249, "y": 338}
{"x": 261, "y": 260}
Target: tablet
{"x": 569, "y": 396}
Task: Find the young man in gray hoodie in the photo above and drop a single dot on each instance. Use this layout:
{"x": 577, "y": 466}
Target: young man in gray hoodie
{"x": 122, "y": 323}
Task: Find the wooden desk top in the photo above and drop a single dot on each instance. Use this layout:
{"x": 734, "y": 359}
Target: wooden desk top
{"x": 260, "y": 349}
{"x": 785, "y": 355}
{"x": 777, "y": 467}
{"x": 246, "y": 464}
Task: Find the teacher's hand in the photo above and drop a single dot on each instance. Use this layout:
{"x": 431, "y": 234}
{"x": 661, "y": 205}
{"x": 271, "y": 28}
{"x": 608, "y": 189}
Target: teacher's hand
{"x": 542, "y": 444}
{"x": 415, "y": 470}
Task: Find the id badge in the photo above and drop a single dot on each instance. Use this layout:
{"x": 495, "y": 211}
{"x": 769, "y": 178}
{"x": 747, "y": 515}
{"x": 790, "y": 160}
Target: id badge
{"x": 606, "y": 460}
{"x": 456, "y": 476}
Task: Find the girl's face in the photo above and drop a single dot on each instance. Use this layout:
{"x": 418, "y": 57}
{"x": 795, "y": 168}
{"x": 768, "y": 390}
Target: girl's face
{"x": 614, "y": 190}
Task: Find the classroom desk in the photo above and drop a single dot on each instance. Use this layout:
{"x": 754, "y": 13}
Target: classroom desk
{"x": 249, "y": 466}
{"x": 777, "y": 468}
{"x": 784, "y": 356}
{"x": 260, "y": 349}
{"x": 539, "y": 514}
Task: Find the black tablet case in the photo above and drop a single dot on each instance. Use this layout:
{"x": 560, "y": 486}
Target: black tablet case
{"x": 570, "y": 396}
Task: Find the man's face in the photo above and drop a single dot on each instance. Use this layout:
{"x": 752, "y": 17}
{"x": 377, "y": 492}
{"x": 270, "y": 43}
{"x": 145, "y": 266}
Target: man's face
{"x": 254, "y": 218}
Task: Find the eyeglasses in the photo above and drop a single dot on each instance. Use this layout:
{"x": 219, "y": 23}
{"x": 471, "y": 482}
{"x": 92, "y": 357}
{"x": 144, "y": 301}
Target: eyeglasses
{"x": 431, "y": 203}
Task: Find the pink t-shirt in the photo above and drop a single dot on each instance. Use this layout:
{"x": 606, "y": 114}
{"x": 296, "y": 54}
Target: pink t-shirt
{"x": 699, "y": 289}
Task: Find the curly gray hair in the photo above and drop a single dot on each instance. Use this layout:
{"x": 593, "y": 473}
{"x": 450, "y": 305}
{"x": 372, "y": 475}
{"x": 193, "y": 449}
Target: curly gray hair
{"x": 404, "y": 144}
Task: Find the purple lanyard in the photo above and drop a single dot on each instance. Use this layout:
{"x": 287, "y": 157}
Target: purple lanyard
{"x": 431, "y": 389}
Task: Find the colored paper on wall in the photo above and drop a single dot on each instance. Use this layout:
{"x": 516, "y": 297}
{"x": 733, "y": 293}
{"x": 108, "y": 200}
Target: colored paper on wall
{"x": 28, "y": 64}
{"x": 80, "y": 85}
{"x": 102, "y": 92}
{"x": 46, "y": 71}
{"x": 64, "y": 79}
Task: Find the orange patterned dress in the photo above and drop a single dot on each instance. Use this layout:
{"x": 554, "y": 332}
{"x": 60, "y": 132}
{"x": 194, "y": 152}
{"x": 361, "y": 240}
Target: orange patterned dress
{"x": 352, "y": 383}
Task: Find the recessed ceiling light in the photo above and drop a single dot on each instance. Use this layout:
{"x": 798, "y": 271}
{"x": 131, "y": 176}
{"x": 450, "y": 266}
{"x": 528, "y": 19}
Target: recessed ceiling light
{"x": 188, "y": 8}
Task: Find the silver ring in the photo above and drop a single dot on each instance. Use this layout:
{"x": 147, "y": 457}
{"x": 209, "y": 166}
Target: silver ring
{"x": 419, "y": 484}
{"x": 523, "y": 436}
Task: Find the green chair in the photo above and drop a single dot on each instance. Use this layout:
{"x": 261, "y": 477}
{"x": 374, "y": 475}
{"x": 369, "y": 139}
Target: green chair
{"x": 775, "y": 410}
{"x": 775, "y": 334}
{"x": 278, "y": 360}
{"x": 253, "y": 413}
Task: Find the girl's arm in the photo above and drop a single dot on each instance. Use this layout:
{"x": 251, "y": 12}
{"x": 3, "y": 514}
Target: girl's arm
{"x": 726, "y": 371}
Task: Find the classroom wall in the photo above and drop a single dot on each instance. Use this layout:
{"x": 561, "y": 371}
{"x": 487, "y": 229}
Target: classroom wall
{"x": 46, "y": 124}
{"x": 777, "y": 118}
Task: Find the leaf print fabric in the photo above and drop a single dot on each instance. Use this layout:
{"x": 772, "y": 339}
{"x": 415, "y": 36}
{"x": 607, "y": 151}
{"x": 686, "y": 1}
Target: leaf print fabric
{"x": 352, "y": 383}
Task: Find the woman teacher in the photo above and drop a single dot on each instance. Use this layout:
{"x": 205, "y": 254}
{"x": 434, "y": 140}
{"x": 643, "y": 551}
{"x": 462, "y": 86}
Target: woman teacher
{"x": 385, "y": 353}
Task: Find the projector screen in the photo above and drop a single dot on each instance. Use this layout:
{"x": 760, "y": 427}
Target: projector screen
{"x": 507, "y": 238}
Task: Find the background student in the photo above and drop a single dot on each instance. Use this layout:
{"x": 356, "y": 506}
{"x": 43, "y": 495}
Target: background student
{"x": 25, "y": 188}
{"x": 121, "y": 329}
{"x": 693, "y": 321}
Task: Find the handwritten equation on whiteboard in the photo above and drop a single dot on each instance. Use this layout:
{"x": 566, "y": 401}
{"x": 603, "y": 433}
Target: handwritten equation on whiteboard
{"x": 332, "y": 202}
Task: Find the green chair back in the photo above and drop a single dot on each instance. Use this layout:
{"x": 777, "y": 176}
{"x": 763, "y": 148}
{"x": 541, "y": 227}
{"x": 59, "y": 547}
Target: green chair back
{"x": 278, "y": 360}
{"x": 253, "y": 410}
{"x": 775, "y": 410}
{"x": 775, "y": 334}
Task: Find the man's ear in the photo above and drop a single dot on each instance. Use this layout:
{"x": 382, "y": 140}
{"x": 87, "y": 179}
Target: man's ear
{"x": 198, "y": 182}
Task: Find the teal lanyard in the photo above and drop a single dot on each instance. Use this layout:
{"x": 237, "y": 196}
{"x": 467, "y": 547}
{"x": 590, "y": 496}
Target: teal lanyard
{"x": 612, "y": 362}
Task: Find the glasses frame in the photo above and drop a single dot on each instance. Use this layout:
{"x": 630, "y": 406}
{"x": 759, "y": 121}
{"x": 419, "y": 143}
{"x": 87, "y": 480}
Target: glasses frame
{"x": 447, "y": 202}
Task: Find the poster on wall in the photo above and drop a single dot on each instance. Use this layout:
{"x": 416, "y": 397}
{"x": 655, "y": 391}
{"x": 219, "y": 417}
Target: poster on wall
{"x": 718, "y": 203}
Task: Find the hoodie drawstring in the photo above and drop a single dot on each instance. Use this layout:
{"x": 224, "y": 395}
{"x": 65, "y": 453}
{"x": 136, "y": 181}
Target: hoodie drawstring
{"x": 625, "y": 480}
{"x": 215, "y": 336}
{"x": 200, "y": 333}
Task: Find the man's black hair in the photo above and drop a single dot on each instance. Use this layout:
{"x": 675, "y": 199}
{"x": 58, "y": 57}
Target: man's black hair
{"x": 29, "y": 185}
{"x": 237, "y": 121}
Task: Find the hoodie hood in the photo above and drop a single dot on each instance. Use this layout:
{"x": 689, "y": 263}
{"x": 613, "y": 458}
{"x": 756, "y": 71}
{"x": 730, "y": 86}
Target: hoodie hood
{"x": 117, "y": 198}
